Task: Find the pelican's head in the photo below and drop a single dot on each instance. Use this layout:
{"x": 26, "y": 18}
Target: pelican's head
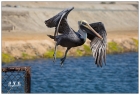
{"x": 85, "y": 24}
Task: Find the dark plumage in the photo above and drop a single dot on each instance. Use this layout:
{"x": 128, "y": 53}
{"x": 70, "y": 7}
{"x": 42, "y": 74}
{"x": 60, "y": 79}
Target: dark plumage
{"x": 69, "y": 38}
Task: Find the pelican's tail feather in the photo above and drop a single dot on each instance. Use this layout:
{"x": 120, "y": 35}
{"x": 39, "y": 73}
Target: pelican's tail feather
{"x": 52, "y": 37}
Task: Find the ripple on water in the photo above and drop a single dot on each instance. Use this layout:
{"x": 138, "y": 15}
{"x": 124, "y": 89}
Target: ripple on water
{"x": 81, "y": 75}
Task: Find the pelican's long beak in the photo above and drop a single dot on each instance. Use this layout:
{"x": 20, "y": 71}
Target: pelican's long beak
{"x": 90, "y": 28}
{"x": 95, "y": 32}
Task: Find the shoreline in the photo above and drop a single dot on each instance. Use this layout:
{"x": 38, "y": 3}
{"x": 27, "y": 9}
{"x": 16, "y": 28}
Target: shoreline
{"x": 27, "y": 46}
{"x": 16, "y": 60}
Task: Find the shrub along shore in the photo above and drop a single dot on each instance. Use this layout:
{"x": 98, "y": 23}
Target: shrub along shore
{"x": 29, "y": 52}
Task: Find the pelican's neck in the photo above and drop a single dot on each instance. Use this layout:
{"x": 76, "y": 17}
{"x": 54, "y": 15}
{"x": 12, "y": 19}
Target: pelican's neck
{"x": 83, "y": 34}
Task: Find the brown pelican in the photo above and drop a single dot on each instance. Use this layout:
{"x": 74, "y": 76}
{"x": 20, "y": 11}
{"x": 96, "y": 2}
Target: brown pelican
{"x": 95, "y": 32}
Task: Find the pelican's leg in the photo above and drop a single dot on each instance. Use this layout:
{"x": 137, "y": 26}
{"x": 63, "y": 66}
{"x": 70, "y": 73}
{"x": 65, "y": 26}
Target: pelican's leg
{"x": 54, "y": 55}
{"x": 63, "y": 59}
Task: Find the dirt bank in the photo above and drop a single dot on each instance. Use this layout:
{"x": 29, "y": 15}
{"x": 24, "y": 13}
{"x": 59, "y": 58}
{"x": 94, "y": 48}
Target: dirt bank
{"x": 38, "y": 45}
{"x": 24, "y": 31}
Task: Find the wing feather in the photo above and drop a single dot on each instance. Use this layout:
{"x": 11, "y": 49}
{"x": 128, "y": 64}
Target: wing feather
{"x": 97, "y": 45}
{"x": 59, "y": 21}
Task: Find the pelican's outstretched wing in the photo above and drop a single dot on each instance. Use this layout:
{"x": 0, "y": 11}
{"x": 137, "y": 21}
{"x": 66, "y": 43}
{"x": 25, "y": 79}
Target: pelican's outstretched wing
{"x": 59, "y": 21}
{"x": 97, "y": 45}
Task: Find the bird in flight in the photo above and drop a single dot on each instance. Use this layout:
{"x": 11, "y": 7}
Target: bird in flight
{"x": 65, "y": 36}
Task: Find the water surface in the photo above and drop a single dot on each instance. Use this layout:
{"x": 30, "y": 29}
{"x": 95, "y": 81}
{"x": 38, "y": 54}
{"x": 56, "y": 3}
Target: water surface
{"x": 81, "y": 75}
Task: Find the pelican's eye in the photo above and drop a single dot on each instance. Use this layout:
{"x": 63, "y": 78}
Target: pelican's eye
{"x": 83, "y": 23}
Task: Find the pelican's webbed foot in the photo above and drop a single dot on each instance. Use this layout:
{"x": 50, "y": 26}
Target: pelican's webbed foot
{"x": 62, "y": 61}
{"x": 54, "y": 57}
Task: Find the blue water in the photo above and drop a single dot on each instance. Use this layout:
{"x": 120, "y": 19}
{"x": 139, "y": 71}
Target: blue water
{"x": 81, "y": 75}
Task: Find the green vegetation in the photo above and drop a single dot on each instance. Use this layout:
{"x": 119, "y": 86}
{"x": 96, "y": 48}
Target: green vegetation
{"x": 136, "y": 43}
{"x": 59, "y": 54}
{"x": 25, "y": 56}
{"x": 113, "y": 47}
{"x": 87, "y": 49}
{"x": 6, "y": 58}
{"x": 79, "y": 53}
{"x": 49, "y": 54}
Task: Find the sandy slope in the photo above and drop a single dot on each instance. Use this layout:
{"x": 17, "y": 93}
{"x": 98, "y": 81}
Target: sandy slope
{"x": 23, "y": 28}
{"x": 30, "y": 16}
